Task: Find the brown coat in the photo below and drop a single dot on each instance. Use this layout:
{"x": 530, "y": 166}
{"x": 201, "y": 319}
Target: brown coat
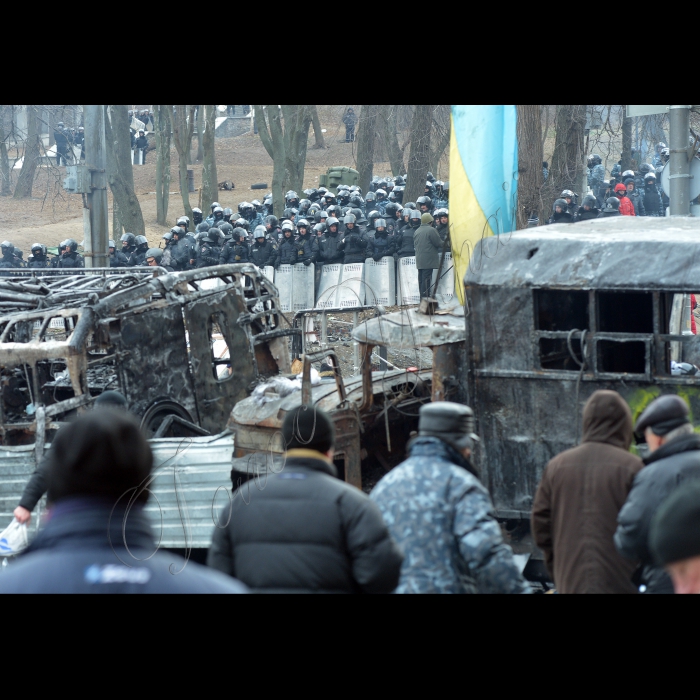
{"x": 574, "y": 516}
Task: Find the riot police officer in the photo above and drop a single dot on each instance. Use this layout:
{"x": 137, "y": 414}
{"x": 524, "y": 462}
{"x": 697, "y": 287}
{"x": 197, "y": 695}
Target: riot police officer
{"x": 70, "y": 257}
{"x": 138, "y": 257}
{"x": 38, "y": 259}
{"x": 263, "y": 252}
{"x": 116, "y": 257}
{"x": 236, "y": 250}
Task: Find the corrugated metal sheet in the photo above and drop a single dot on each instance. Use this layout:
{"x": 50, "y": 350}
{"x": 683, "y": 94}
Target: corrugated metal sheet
{"x": 16, "y": 466}
{"x": 185, "y": 493}
{"x": 190, "y": 475}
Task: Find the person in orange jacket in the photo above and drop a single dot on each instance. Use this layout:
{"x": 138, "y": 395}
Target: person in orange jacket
{"x": 626, "y": 206}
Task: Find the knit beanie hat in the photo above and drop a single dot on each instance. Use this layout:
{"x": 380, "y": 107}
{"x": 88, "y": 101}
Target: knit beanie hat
{"x": 308, "y": 428}
{"x": 426, "y": 218}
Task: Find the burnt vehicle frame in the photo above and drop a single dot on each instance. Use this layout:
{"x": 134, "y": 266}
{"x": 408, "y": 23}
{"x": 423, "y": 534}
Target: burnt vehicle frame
{"x": 374, "y": 413}
{"x": 65, "y": 338}
{"x": 554, "y": 314}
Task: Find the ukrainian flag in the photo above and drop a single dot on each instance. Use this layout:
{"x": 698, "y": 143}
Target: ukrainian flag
{"x": 483, "y": 179}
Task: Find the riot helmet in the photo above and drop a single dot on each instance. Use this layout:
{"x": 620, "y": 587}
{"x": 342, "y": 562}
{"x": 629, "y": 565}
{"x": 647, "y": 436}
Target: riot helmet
{"x": 332, "y": 221}
{"x": 197, "y": 216}
{"x": 214, "y": 205}
{"x": 141, "y": 241}
{"x": 40, "y": 248}
{"x": 562, "y": 204}
{"x": 381, "y": 195}
{"x": 127, "y": 240}
{"x": 612, "y": 204}
{"x": 287, "y": 227}
{"x": 271, "y": 222}
{"x": 228, "y": 212}
{"x": 243, "y": 223}
{"x": 380, "y": 224}
{"x": 257, "y": 205}
{"x": 260, "y": 232}
{"x": 414, "y": 219}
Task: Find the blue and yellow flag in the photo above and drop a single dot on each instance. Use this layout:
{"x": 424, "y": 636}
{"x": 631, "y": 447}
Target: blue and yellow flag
{"x": 483, "y": 178}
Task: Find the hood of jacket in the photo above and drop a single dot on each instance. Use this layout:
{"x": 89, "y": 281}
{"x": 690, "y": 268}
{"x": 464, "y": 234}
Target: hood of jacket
{"x": 607, "y": 418}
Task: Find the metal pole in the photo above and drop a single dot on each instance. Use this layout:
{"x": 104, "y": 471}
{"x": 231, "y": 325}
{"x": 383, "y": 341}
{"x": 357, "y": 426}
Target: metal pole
{"x": 356, "y": 347}
{"x": 96, "y": 161}
{"x": 679, "y": 166}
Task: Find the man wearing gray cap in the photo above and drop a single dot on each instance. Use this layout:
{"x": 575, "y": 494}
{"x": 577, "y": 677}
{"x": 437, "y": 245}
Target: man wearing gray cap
{"x": 441, "y": 516}
{"x": 674, "y": 458}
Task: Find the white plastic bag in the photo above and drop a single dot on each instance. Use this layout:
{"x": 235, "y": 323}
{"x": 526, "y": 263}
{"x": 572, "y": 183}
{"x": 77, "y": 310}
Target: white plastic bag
{"x": 13, "y": 539}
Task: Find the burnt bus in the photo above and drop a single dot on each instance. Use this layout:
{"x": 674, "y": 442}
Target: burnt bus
{"x": 554, "y": 314}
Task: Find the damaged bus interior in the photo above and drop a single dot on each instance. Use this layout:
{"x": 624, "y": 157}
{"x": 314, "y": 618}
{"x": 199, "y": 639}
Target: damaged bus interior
{"x": 559, "y": 312}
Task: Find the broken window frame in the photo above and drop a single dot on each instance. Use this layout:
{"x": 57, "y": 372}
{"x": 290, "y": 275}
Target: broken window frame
{"x": 656, "y": 364}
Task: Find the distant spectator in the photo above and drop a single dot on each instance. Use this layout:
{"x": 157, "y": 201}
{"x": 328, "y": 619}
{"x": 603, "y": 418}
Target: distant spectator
{"x": 350, "y": 120}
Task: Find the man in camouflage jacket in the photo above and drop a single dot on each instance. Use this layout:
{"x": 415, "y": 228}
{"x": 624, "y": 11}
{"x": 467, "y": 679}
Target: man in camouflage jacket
{"x": 440, "y": 514}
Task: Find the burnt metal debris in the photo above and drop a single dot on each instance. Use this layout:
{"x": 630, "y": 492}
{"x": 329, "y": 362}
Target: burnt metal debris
{"x": 553, "y": 315}
{"x": 187, "y": 344}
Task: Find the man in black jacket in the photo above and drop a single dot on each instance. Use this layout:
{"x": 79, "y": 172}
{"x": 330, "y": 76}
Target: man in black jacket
{"x": 306, "y": 531}
{"x": 674, "y": 458}
{"x": 328, "y": 244}
{"x": 263, "y": 252}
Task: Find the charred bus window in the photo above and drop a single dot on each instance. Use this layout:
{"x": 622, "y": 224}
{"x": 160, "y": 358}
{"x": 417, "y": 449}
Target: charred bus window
{"x": 625, "y": 312}
{"x": 628, "y": 357}
{"x": 560, "y": 310}
{"x": 554, "y": 354}
{"x": 220, "y": 353}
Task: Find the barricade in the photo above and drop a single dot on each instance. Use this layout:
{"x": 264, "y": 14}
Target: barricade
{"x": 328, "y": 286}
{"x": 303, "y": 287}
{"x": 380, "y": 281}
{"x": 285, "y": 286}
{"x": 409, "y": 292}
{"x": 446, "y": 286}
{"x": 351, "y": 288}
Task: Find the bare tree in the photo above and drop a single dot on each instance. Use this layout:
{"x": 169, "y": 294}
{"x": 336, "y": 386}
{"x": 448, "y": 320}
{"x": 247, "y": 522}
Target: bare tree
{"x": 5, "y": 189}
{"x": 32, "y": 150}
{"x": 366, "y": 134}
{"x": 209, "y": 178}
{"x": 183, "y": 128}
{"x": 626, "y": 143}
{"x": 318, "y": 134}
{"x": 163, "y": 126}
{"x": 120, "y": 169}
{"x": 530, "y": 175}
{"x": 442, "y": 132}
{"x": 388, "y": 118}
{"x": 200, "y": 129}
{"x": 284, "y": 131}
{"x": 567, "y": 168}
{"x": 420, "y": 155}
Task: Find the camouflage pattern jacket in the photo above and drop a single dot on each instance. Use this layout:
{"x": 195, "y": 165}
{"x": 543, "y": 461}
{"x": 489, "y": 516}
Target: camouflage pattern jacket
{"x": 442, "y": 518}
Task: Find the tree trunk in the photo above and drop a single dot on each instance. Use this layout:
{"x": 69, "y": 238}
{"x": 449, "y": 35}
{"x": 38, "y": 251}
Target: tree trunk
{"x": 626, "y": 142}
{"x": 120, "y": 170}
{"x": 163, "y": 127}
{"x": 183, "y": 127}
{"x": 5, "y": 189}
{"x": 117, "y": 228}
{"x": 318, "y": 134}
{"x": 25, "y": 182}
{"x": 387, "y": 127}
{"x": 190, "y": 133}
{"x": 365, "y": 145}
{"x": 269, "y": 123}
{"x": 200, "y": 135}
{"x": 530, "y": 176}
{"x": 210, "y": 181}
{"x": 419, "y": 158}
{"x": 297, "y": 121}
{"x": 568, "y": 160}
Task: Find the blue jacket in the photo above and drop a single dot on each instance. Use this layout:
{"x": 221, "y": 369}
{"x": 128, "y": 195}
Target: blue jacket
{"x": 442, "y": 518}
{"x": 81, "y": 550}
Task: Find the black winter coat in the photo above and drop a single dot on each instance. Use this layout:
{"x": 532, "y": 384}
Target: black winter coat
{"x": 673, "y": 463}
{"x": 584, "y": 215}
{"x": 328, "y": 248}
{"x": 563, "y": 218}
{"x": 81, "y": 550}
{"x": 354, "y": 247}
{"x": 118, "y": 259}
{"x": 39, "y": 263}
{"x": 234, "y": 252}
{"x": 263, "y": 255}
{"x": 71, "y": 260}
{"x": 307, "y": 248}
{"x": 286, "y": 252}
{"x": 653, "y": 204}
{"x": 306, "y": 532}
{"x": 406, "y": 247}
{"x": 180, "y": 255}
{"x": 208, "y": 255}
{"x": 380, "y": 246}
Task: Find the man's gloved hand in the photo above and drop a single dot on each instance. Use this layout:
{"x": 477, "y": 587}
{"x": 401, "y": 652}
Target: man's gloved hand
{"x": 307, "y": 262}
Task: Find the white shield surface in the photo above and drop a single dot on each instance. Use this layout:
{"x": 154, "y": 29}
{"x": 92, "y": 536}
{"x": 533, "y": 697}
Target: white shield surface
{"x": 328, "y": 286}
{"x": 285, "y": 286}
{"x": 303, "y": 287}
{"x": 351, "y": 292}
{"x": 269, "y": 272}
{"x": 408, "y": 281}
{"x": 380, "y": 281}
{"x": 446, "y": 286}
